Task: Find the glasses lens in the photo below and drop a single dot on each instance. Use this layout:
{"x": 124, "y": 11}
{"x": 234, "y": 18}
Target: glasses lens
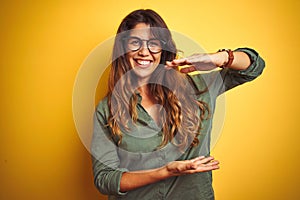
{"x": 154, "y": 45}
{"x": 134, "y": 44}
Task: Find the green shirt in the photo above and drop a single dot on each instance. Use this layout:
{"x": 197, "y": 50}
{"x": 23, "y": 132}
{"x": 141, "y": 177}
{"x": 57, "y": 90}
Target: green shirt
{"x": 137, "y": 150}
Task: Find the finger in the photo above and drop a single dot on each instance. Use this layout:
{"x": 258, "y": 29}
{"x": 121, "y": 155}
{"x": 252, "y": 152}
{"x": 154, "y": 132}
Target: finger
{"x": 202, "y": 169}
{"x": 188, "y": 69}
{"x": 197, "y": 158}
{"x": 180, "y": 62}
{"x": 209, "y": 168}
{"x": 212, "y": 163}
{"x": 194, "y": 168}
{"x": 212, "y": 167}
{"x": 202, "y": 162}
{"x": 169, "y": 63}
{"x": 208, "y": 159}
{"x": 168, "y": 67}
{"x": 205, "y": 160}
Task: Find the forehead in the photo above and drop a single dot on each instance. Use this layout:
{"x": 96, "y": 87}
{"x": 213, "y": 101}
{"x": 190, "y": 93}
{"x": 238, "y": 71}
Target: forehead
{"x": 142, "y": 31}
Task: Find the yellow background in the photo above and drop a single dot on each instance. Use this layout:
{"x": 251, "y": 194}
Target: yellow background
{"x": 43, "y": 44}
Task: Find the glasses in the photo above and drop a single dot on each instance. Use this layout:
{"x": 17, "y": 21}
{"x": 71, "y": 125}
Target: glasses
{"x": 153, "y": 45}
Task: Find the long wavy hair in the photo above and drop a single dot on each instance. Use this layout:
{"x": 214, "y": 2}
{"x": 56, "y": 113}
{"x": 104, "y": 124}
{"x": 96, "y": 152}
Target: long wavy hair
{"x": 180, "y": 114}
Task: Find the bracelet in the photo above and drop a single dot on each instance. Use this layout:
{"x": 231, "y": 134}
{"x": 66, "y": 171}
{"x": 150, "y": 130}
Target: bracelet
{"x": 230, "y": 57}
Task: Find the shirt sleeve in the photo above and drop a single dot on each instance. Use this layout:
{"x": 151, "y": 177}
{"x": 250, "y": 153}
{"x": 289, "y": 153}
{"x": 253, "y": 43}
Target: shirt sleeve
{"x": 232, "y": 78}
{"x": 223, "y": 80}
{"x": 105, "y": 160}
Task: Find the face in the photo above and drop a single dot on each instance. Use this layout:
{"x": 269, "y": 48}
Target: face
{"x": 143, "y": 61}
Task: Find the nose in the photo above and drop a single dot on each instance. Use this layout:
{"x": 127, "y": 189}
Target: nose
{"x": 144, "y": 51}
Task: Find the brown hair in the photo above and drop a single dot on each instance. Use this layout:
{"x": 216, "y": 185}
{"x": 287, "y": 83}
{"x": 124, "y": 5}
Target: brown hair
{"x": 181, "y": 117}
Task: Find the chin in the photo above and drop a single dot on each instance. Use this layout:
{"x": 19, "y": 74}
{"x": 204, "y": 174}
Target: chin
{"x": 142, "y": 75}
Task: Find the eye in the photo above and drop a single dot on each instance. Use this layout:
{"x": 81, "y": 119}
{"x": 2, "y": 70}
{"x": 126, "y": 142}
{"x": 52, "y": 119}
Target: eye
{"x": 134, "y": 42}
{"x": 154, "y": 43}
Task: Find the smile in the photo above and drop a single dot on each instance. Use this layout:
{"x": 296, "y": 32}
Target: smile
{"x": 144, "y": 63}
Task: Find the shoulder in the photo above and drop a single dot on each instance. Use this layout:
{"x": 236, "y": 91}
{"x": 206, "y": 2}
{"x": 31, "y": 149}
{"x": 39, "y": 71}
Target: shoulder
{"x": 102, "y": 109}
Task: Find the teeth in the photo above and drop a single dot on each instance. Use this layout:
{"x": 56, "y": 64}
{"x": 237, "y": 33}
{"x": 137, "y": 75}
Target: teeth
{"x": 143, "y": 62}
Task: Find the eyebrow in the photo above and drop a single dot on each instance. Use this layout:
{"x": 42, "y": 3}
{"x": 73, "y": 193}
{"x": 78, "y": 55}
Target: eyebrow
{"x": 142, "y": 38}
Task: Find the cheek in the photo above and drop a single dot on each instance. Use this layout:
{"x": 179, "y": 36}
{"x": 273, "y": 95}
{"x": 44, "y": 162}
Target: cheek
{"x": 157, "y": 58}
{"x": 129, "y": 57}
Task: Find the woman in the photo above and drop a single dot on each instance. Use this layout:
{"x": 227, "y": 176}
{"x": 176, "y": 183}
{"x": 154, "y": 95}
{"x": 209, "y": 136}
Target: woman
{"x": 152, "y": 131}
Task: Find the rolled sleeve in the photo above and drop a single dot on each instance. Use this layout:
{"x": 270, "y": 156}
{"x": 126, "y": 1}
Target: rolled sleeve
{"x": 105, "y": 159}
{"x": 106, "y": 179}
{"x": 257, "y": 63}
{"x": 232, "y": 78}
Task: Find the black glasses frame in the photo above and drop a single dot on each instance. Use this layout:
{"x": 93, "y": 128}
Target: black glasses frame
{"x": 162, "y": 42}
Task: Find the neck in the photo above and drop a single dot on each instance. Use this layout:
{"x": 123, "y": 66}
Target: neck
{"x": 144, "y": 90}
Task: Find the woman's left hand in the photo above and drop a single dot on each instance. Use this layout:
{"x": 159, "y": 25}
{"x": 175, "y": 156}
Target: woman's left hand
{"x": 198, "y": 62}
{"x": 196, "y": 165}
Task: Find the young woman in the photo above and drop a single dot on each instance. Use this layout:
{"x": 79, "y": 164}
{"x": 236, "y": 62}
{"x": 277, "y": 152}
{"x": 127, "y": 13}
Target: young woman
{"x": 152, "y": 130}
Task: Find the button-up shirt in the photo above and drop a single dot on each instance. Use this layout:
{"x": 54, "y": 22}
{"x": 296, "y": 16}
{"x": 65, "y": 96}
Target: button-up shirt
{"x": 138, "y": 148}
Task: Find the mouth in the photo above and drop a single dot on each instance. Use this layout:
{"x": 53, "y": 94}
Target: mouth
{"x": 143, "y": 62}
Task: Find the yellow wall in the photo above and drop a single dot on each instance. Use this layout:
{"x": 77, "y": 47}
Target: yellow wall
{"x": 44, "y": 43}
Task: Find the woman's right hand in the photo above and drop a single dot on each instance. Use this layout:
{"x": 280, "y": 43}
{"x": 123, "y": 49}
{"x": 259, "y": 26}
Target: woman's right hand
{"x": 199, "y": 164}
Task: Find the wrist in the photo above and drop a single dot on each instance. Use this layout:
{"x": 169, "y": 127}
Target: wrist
{"x": 164, "y": 172}
{"x": 220, "y": 58}
{"x": 228, "y": 57}
{"x": 225, "y": 58}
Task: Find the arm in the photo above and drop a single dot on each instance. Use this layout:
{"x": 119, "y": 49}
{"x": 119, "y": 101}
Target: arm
{"x": 246, "y": 66}
{"x": 210, "y": 61}
{"x": 241, "y": 60}
{"x": 133, "y": 180}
